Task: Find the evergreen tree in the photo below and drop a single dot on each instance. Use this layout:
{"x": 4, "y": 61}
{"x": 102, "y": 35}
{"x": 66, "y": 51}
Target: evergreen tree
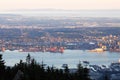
{"x": 8, "y": 73}
{"x": 31, "y": 70}
{"x": 28, "y": 59}
{"x": 66, "y": 69}
{"x": 82, "y": 73}
{"x": 2, "y": 68}
{"x": 106, "y": 77}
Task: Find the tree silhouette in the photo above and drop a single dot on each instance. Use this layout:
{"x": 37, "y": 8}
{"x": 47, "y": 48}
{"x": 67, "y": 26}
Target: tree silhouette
{"x": 28, "y": 59}
{"x": 2, "y": 68}
{"x": 31, "y": 70}
{"x": 82, "y": 73}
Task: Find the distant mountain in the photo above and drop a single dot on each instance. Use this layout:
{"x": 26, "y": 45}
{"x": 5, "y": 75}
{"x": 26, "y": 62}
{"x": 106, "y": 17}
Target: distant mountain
{"x": 10, "y": 15}
{"x": 67, "y": 13}
{"x": 52, "y": 18}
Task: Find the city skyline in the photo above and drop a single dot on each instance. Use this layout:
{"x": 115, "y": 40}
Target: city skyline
{"x": 59, "y": 4}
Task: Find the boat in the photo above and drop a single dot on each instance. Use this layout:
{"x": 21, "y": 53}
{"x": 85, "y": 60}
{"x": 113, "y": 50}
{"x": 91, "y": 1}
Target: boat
{"x": 56, "y": 50}
{"x": 97, "y": 50}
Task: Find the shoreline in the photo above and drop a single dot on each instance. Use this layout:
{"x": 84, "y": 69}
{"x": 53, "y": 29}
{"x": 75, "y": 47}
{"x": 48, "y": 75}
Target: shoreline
{"x": 91, "y": 51}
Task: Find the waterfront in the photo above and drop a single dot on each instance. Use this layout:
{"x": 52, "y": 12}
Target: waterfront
{"x": 70, "y": 57}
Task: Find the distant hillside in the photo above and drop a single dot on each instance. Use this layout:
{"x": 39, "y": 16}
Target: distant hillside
{"x": 67, "y": 13}
{"x": 15, "y": 20}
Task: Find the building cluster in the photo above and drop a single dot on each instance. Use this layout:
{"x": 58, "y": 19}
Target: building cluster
{"x": 111, "y": 42}
{"x": 56, "y": 40}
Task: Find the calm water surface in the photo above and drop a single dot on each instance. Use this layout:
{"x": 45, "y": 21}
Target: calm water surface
{"x": 70, "y": 57}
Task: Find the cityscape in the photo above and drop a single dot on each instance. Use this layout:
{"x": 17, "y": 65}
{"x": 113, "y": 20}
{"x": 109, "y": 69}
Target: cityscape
{"x": 59, "y": 34}
{"x": 59, "y": 40}
{"x": 71, "y": 33}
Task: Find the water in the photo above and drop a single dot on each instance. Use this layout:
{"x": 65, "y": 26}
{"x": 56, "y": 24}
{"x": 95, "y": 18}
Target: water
{"x": 70, "y": 57}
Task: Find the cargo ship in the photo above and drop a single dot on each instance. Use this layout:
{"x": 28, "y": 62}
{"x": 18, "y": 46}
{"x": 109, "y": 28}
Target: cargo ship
{"x": 97, "y": 50}
{"x": 51, "y": 49}
{"x": 56, "y": 50}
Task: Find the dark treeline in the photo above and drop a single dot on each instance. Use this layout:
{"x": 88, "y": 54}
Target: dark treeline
{"x": 31, "y": 70}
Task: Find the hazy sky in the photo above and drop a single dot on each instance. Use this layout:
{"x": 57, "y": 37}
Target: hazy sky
{"x": 59, "y": 4}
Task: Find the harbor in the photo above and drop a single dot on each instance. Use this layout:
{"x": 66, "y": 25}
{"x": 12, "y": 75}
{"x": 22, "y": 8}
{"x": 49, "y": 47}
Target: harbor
{"x": 70, "y": 57}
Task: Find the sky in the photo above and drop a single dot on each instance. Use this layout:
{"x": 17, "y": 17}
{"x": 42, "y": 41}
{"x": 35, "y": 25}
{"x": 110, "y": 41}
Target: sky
{"x": 59, "y": 4}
